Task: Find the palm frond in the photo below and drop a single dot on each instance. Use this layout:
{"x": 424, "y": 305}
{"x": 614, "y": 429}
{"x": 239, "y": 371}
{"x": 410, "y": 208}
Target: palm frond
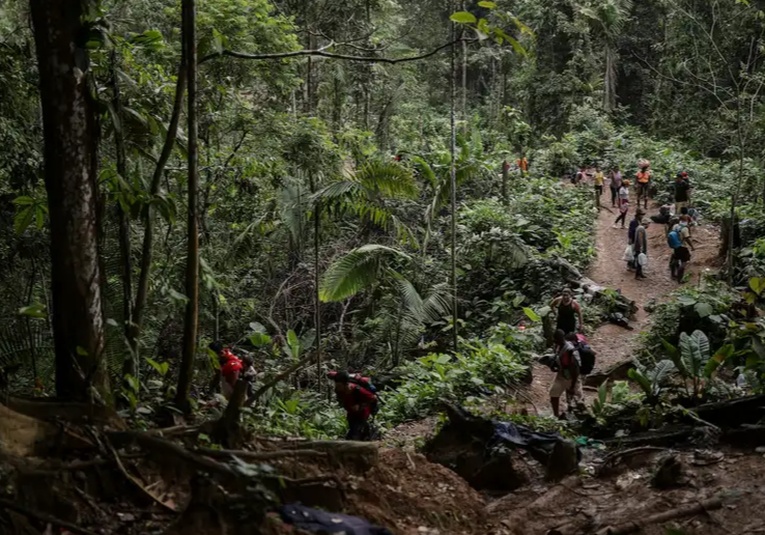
{"x": 388, "y": 179}
{"x": 425, "y": 170}
{"x": 355, "y": 271}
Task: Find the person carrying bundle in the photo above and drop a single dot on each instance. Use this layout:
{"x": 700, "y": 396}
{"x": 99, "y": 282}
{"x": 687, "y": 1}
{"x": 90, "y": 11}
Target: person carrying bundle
{"x": 643, "y": 181}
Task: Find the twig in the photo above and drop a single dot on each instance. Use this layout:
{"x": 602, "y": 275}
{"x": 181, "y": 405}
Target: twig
{"x": 44, "y": 517}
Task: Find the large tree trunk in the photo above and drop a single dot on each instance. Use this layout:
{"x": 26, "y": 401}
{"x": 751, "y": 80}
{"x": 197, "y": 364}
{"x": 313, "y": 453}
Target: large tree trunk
{"x": 191, "y": 319}
{"x": 71, "y": 167}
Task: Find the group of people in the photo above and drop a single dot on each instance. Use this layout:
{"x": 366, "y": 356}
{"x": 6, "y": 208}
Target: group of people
{"x": 356, "y": 394}
{"x": 570, "y": 348}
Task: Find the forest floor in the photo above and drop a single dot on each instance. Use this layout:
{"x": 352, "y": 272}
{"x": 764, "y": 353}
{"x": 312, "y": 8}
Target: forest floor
{"x": 612, "y": 343}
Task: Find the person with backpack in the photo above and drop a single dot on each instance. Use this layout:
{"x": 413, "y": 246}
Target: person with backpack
{"x": 231, "y": 368}
{"x": 569, "y": 311}
{"x": 643, "y": 182}
{"x": 358, "y": 397}
{"x": 586, "y": 353}
{"x": 615, "y": 184}
{"x": 624, "y": 203}
{"x": 679, "y": 240}
{"x": 566, "y": 366}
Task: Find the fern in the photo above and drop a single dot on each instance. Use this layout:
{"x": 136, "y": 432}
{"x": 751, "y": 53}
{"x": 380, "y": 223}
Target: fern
{"x": 355, "y": 271}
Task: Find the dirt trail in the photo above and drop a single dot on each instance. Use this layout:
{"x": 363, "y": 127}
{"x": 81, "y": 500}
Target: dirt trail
{"x": 612, "y": 343}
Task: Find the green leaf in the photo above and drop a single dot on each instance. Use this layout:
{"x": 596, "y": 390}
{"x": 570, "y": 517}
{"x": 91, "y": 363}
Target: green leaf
{"x": 260, "y": 340}
{"x": 463, "y": 17}
{"x": 704, "y": 310}
{"x": 757, "y": 285}
{"x": 24, "y": 200}
{"x": 36, "y": 310}
{"x": 718, "y": 359}
{"x": 81, "y": 351}
{"x": 355, "y": 271}
{"x": 488, "y": 5}
{"x": 23, "y": 219}
{"x": 533, "y": 316}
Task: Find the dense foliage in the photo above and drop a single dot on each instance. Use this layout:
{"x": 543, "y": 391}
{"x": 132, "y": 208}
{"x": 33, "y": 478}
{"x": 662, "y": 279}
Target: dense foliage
{"x": 314, "y": 239}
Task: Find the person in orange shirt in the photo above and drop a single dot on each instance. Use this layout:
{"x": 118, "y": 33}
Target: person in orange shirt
{"x": 523, "y": 165}
{"x": 643, "y": 182}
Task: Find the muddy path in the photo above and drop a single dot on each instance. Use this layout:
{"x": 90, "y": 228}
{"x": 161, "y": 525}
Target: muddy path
{"x": 613, "y": 343}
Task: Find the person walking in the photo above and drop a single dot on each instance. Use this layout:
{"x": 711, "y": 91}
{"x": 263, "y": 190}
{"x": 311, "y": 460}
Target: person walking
{"x": 679, "y": 240}
{"x": 624, "y": 203}
{"x": 569, "y": 311}
{"x": 567, "y": 365}
{"x": 682, "y": 187}
{"x": 599, "y": 180}
{"x": 615, "y": 177}
{"x": 643, "y": 178}
{"x": 634, "y": 224}
{"x": 640, "y": 247}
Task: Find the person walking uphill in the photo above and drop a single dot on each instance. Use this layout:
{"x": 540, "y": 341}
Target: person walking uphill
{"x": 599, "y": 180}
{"x": 567, "y": 366}
{"x": 360, "y": 403}
{"x": 569, "y": 311}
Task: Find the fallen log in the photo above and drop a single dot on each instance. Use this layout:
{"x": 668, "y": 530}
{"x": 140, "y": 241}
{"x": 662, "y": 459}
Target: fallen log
{"x": 733, "y": 412}
{"x": 663, "y": 437}
{"x": 617, "y": 372}
{"x": 673, "y": 514}
{"x": 617, "y": 302}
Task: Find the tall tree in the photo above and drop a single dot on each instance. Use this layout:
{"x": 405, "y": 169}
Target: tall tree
{"x": 191, "y": 319}
{"x": 71, "y": 168}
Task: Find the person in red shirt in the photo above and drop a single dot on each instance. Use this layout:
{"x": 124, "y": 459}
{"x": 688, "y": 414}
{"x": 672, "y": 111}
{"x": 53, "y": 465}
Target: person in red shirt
{"x": 359, "y": 404}
{"x": 230, "y": 368}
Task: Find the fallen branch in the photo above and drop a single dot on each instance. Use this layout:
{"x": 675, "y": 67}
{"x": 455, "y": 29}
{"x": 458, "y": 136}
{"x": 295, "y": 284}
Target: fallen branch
{"x": 261, "y": 455}
{"x": 44, "y": 517}
{"x": 672, "y": 514}
{"x": 134, "y": 480}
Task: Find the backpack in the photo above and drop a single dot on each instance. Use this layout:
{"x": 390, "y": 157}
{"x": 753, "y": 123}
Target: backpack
{"x": 586, "y": 355}
{"x": 366, "y": 383}
{"x": 673, "y": 240}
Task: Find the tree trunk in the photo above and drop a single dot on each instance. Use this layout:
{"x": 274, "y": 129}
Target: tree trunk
{"x": 130, "y": 367}
{"x": 453, "y": 187}
{"x": 71, "y": 171}
{"x": 142, "y": 291}
{"x": 191, "y": 319}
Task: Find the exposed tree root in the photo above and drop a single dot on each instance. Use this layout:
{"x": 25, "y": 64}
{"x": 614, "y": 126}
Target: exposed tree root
{"x": 43, "y": 517}
{"x": 672, "y": 514}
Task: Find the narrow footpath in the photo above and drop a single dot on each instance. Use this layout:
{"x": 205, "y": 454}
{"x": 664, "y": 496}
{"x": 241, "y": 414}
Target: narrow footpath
{"x": 612, "y": 343}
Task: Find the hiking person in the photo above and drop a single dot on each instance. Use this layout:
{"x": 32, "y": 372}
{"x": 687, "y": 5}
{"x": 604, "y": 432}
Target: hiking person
{"x": 615, "y": 177}
{"x": 682, "y": 187}
{"x": 566, "y": 365}
{"x": 599, "y": 180}
{"x": 359, "y": 401}
{"x": 523, "y": 165}
{"x": 569, "y": 311}
{"x": 634, "y": 224}
{"x": 580, "y": 175}
{"x": 640, "y": 247}
{"x": 624, "y": 203}
{"x": 643, "y": 178}
{"x": 679, "y": 240}
{"x": 230, "y": 368}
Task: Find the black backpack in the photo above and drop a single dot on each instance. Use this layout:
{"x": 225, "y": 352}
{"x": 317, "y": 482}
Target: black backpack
{"x": 586, "y": 356}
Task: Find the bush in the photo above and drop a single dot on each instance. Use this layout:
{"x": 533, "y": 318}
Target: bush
{"x": 478, "y": 369}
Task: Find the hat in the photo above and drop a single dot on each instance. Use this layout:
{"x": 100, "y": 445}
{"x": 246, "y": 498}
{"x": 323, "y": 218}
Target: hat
{"x": 625, "y": 182}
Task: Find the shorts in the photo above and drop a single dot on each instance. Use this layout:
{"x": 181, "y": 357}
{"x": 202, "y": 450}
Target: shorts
{"x": 560, "y": 385}
{"x": 682, "y": 254}
{"x": 679, "y": 205}
{"x": 642, "y": 188}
